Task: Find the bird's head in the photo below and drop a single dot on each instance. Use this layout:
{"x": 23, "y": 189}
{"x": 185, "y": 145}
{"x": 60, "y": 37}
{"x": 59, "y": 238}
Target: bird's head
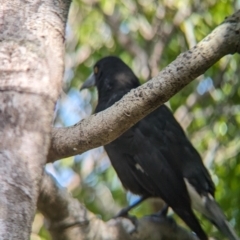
{"x": 111, "y": 74}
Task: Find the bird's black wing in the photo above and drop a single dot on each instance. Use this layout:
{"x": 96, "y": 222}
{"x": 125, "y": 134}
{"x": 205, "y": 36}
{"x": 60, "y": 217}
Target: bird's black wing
{"x": 142, "y": 168}
{"x": 179, "y": 151}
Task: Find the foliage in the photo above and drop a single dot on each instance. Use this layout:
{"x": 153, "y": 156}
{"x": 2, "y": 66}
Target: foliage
{"x": 148, "y": 35}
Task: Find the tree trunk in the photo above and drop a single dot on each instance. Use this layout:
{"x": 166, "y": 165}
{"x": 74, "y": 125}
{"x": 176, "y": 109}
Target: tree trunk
{"x": 31, "y": 36}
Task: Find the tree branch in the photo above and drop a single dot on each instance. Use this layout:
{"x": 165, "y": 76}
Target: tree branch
{"x": 67, "y": 219}
{"x": 88, "y": 134}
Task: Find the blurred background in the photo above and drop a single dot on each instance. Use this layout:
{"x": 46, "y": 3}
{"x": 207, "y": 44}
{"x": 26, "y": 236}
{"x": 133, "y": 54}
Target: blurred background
{"x": 148, "y": 35}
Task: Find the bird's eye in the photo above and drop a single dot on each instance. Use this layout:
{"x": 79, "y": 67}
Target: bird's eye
{"x": 95, "y": 70}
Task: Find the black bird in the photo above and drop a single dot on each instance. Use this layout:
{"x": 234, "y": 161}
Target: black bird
{"x": 154, "y": 158}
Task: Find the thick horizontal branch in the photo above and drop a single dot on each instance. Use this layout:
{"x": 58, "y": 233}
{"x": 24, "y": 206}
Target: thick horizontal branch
{"x": 104, "y": 127}
{"x": 69, "y": 219}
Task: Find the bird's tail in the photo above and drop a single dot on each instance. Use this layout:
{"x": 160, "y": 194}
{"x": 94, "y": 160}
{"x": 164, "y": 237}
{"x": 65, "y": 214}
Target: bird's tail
{"x": 215, "y": 214}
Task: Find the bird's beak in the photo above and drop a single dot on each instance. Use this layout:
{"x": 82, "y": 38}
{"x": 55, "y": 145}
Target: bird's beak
{"x": 90, "y": 82}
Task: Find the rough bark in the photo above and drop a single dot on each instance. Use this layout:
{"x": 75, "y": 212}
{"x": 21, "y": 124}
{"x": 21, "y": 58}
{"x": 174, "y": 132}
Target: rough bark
{"x": 31, "y": 35}
{"x": 68, "y": 219}
{"x": 104, "y": 127}
{"x": 23, "y": 149}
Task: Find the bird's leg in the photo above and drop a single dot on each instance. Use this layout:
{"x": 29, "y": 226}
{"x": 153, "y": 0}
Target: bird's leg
{"x": 124, "y": 211}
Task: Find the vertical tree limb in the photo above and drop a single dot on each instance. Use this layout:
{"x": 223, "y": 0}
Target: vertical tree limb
{"x": 31, "y": 69}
